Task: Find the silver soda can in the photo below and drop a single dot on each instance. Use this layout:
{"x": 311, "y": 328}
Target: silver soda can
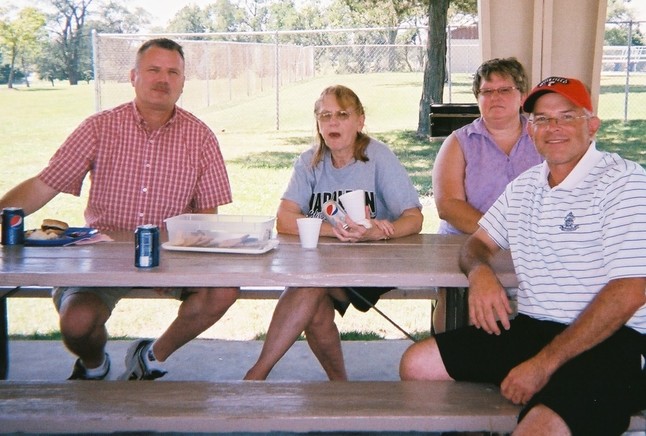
{"x": 334, "y": 213}
{"x": 13, "y": 226}
{"x": 147, "y": 246}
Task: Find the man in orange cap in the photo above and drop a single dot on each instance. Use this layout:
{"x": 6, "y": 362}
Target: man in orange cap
{"x": 576, "y": 228}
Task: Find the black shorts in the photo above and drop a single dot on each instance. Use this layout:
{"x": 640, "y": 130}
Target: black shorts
{"x": 358, "y": 301}
{"x": 595, "y": 393}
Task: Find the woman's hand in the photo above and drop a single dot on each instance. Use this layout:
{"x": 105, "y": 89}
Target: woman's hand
{"x": 380, "y": 229}
{"x": 386, "y": 227}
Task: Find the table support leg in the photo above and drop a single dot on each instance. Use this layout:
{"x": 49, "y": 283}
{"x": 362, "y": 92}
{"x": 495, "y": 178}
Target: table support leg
{"x": 4, "y": 340}
{"x": 4, "y": 333}
{"x": 457, "y": 308}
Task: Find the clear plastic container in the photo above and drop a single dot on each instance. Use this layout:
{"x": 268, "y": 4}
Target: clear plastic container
{"x": 214, "y": 230}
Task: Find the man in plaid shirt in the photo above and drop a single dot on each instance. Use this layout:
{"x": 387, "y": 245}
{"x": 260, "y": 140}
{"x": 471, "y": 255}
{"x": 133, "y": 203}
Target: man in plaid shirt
{"x": 148, "y": 160}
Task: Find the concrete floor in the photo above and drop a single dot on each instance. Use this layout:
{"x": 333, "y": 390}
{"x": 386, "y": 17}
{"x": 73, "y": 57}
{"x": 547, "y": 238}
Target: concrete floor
{"x": 214, "y": 360}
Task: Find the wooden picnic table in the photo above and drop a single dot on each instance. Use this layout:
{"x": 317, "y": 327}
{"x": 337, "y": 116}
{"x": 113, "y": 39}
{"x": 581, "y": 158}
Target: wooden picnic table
{"x": 420, "y": 261}
{"x": 425, "y": 260}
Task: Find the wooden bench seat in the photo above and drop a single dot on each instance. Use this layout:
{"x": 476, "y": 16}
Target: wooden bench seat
{"x": 256, "y": 407}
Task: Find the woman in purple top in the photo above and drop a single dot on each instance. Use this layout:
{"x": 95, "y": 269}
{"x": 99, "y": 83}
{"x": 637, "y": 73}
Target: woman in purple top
{"x": 476, "y": 162}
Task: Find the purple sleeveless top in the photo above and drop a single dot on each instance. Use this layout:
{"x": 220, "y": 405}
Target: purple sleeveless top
{"x": 488, "y": 168}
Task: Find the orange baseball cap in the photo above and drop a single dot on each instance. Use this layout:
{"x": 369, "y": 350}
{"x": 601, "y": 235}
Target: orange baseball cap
{"x": 572, "y": 89}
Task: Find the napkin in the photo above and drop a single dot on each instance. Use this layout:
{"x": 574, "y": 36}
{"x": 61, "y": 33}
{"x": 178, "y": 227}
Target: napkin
{"x": 98, "y": 237}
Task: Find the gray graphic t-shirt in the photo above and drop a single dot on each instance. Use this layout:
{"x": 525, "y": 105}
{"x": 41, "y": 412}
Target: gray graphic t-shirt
{"x": 389, "y": 190}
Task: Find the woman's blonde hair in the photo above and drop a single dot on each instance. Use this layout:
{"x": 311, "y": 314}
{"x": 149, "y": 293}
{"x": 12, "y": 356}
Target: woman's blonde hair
{"x": 347, "y": 99}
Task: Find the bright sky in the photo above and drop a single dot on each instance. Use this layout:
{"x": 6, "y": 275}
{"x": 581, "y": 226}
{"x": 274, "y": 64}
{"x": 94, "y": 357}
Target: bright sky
{"x": 639, "y": 6}
{"x": 163, "y": 10}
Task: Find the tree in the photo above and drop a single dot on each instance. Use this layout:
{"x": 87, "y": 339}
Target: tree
{"x": 465, "y": 8}
{"x": 283, "y": 16}
{"x": 190, "y": 19}
{"x": 394, "y": 13}
{"x": 398, "y": 15}
{"x": 386, "y": 13}
{"x": 219, "y": 16}
{"x": 72, "y": 41}
{"x": 619, "y": 35}
{"x": 435, "y": 67}
{"x": 4, "y": 73}
{"x": 51, "y": 68}
{"x": 117, "y": 18}
{"x": 20, "y": 39}
{"x": 256, "y": 14}
{"x": 617, "y": 10}
{"x": 225, "y": 16}
{"x": 622, "y": 18}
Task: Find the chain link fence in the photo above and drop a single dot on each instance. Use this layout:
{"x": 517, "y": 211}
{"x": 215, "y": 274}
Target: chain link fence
{"x": 223, "y": 67}
{"x": 623, "y": 76}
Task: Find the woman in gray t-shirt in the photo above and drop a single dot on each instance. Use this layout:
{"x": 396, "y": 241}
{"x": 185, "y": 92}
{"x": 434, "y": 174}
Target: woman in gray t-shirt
{"x": 345, "y": 159}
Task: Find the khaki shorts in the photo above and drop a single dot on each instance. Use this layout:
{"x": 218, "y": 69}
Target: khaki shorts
{"x": 109, "y": 296}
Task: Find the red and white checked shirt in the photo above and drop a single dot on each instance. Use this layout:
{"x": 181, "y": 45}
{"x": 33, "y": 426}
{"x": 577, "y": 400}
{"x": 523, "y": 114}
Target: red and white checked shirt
{"x": 140, "y": 178}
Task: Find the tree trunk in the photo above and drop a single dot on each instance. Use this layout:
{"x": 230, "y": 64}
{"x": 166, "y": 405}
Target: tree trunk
{"x": 12, "y": 69}
{"x": 72, "y": 77}
{"x": 392, "y": 54}
{"x": 435, "y": 67}
{"x": 25, "y": 70}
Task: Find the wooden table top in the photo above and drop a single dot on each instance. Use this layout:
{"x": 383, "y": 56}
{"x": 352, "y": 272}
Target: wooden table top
{"x": 425, "y": 260}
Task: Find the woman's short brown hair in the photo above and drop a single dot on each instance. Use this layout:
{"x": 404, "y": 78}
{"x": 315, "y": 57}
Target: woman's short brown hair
{"x": 506, "y": 67}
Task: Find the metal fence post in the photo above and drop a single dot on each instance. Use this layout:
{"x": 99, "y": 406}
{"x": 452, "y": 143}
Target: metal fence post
{"x": 627, "y": 86}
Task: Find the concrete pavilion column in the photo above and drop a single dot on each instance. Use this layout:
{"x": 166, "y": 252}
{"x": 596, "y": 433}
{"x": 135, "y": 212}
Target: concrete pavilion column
{"x": 549, "y": 37}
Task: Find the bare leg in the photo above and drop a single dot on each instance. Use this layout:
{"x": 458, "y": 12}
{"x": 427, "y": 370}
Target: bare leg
{"x": 82, "y": 323}
{"x": 323, "y": 338}
{"x": 422, "y": 361}
{"x": 439, "y": 314}
{"x": 542, "y": 420}
{"x": 294, "y": 311}
{"x": 200, "y": 310}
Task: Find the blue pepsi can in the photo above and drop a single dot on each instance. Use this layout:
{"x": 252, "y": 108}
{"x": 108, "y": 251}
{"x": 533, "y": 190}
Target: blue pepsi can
{"x": 147, "y": 246}
{"x": 13, "y": 226}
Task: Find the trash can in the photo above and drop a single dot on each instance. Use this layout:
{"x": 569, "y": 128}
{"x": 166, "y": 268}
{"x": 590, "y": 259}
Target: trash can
{"x": 446, "y": 117}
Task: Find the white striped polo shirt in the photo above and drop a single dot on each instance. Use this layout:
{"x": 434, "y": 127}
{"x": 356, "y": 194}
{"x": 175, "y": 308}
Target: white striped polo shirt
{"x": 569, "y": 241}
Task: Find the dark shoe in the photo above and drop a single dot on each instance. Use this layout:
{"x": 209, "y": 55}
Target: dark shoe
{"x": 80, "y": 372}
{"x": 136, "y": 365}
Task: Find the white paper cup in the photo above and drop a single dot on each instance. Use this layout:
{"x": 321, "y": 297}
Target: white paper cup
{"x": 354, "y": 204}
{"x": 308, "y": 231}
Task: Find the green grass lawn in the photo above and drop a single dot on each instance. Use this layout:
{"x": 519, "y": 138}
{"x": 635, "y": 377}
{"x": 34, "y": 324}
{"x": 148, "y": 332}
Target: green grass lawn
{"x": 35, "y": 121}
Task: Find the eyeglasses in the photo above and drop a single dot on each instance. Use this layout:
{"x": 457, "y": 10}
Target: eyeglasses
{"x": 560, "y": 120}
{"x": 504, "y": 91}
{"x": 326, "y": 117}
